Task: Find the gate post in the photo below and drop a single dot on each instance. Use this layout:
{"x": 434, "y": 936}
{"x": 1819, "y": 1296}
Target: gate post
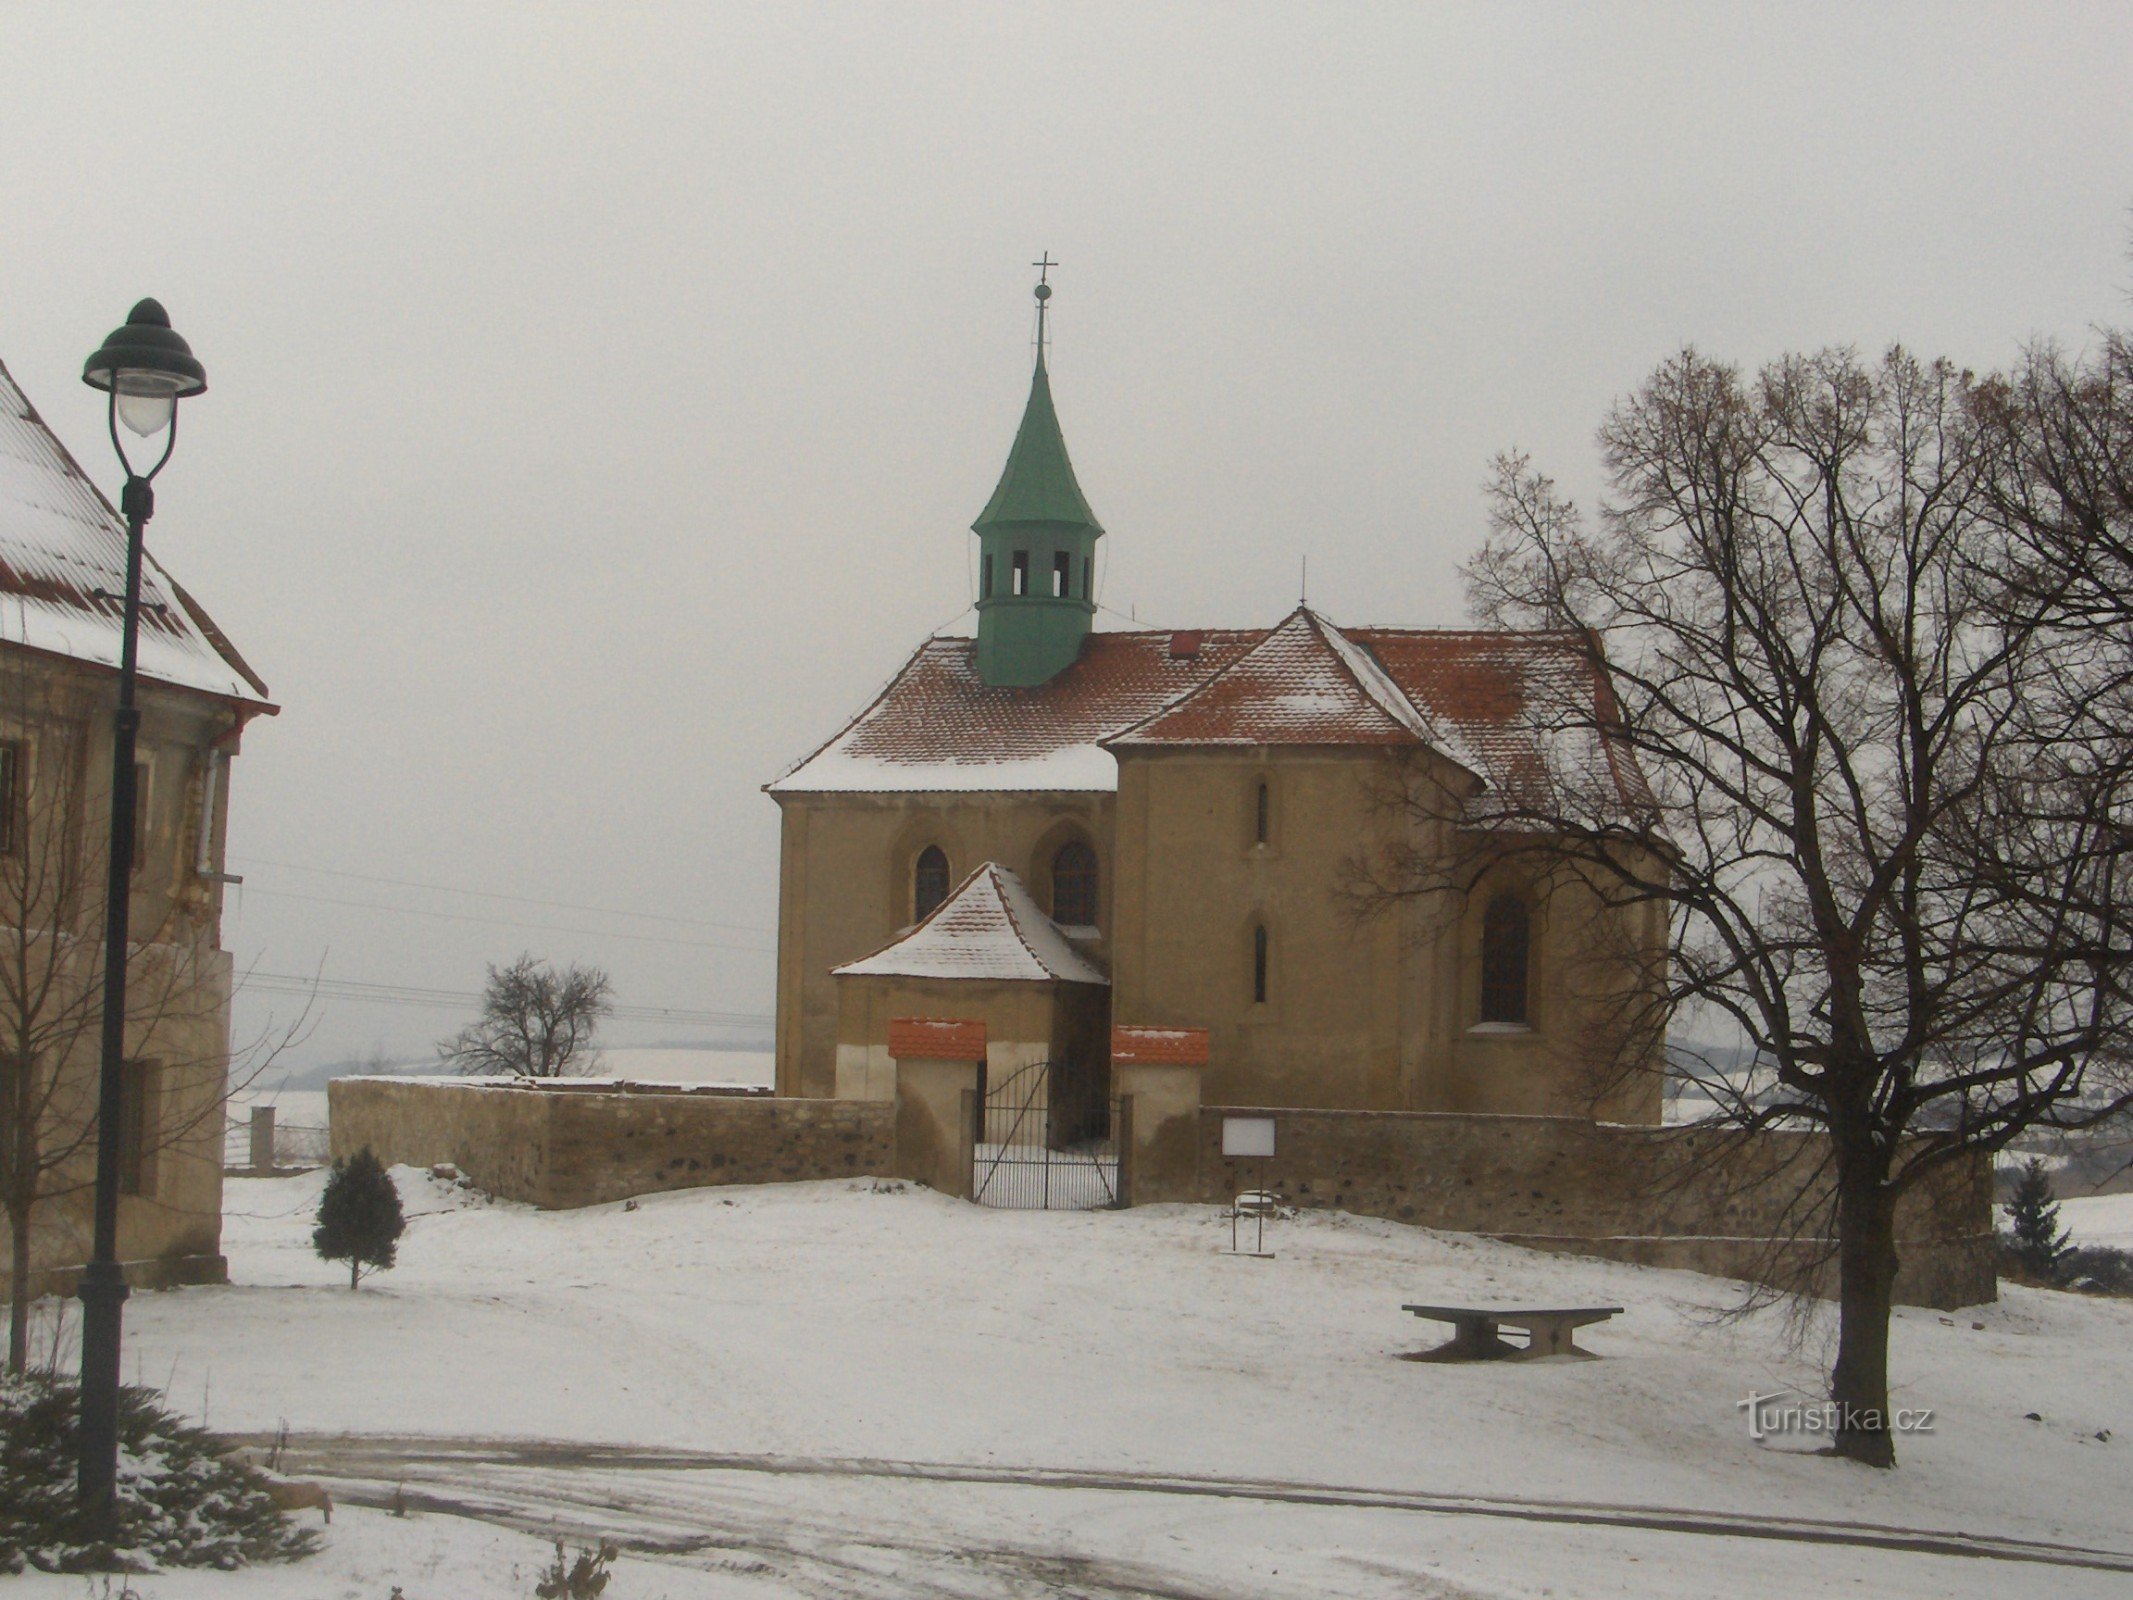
{"x": 263, "y": 1141}
{"x": 937, "y": 1062}
{"x": 1123, "y": 1134}
{"x": 1155, "y": 1072}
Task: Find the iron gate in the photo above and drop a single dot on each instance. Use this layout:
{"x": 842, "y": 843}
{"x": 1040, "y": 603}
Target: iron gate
{"x": 1047, "y": 1140}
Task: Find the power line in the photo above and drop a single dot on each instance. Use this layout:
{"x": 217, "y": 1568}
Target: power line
{"x": 505, "y": 922}
{"x": 405, "y": 994}
{"x": 491, "y": 894}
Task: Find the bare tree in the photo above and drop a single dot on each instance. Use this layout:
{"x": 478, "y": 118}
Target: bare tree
{"x": 1881, "y": 858}
{"x": 535, "y": 1022}
{"x": 2060, "y": 433}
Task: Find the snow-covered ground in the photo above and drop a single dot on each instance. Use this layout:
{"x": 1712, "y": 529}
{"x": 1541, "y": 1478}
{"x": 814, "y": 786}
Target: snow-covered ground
{"x": 2099, "y": 1219}
{"x": 859, "y": 1322}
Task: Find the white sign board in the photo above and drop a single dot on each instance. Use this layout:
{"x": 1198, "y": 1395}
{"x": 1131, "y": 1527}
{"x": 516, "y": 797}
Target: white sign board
{"x": 1247, "y": 1136}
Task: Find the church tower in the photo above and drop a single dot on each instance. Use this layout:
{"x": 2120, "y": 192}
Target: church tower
{"x": 1036, "y": 547}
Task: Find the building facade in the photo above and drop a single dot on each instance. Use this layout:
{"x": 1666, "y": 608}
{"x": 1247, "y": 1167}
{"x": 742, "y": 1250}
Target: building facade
{"x": 1185, "y": 811}
{"x": 62, "y": 564}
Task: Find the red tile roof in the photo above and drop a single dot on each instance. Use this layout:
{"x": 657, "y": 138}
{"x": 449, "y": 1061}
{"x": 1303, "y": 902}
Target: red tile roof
{"x": 1295, "y": 686}
{"x": 1516, "y": 709}
{"x": 938, "y": 726}
{"x": 936, "y": 1039}
{"x": 1133, "y": 1045}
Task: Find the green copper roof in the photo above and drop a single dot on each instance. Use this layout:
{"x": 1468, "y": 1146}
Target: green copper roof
{"x": 1038, "y": 485}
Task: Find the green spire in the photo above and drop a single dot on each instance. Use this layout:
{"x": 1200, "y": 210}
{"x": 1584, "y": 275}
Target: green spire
{"x": 1038, "y": 485}
{"x": 1036, "y": 547}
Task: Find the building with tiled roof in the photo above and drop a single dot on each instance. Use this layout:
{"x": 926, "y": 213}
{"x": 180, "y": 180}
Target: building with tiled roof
{"x": 63, "y": 558}
{"x": 1180, "y": 811}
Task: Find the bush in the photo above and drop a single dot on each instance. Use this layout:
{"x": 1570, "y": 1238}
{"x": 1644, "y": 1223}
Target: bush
{"x": 584, "y": 1579}
{"x": 2097, "y": 1268}
{"x": 179, "y": 1503}
{"x": 2035, "y": 1238}
{"x": 359, "y": 1218}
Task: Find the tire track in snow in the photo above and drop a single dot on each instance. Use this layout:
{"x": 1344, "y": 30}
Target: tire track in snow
{"x": 382, "y": 1461}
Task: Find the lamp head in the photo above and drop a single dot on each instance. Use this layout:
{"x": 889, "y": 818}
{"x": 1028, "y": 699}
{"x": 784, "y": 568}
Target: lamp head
{"x": 147, "y": 368}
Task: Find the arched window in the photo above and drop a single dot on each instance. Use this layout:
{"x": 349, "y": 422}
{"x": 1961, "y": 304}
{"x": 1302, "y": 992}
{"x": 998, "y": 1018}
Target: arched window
{"x": 1259, "y": 965}
{"x": 1265, "y": 815}
{"x": 929, "y": 882}
{"x": 1506, "y": 931}
{"x": 1074, "y": 885}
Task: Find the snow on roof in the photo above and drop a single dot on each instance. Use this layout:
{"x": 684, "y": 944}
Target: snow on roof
{"x": 1523, "y": 710}
{"x": 1300, "y": 684}
{"x": 1517, "y": 709}
{"x": 938, "y": 726}
{"x": 61, "y": 542}
{"x": 988, "y": 928}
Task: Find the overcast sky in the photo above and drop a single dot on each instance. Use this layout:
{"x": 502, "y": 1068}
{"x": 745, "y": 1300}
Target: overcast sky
{"x": 600, "y": 395}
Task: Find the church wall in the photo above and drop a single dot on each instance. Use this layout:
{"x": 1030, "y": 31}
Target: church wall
{"x": 1377, "y": 1013}
{"x": 845, "y": 881}
{"x": 1575, "y": 1056}
{"x": 1194, "y": 883}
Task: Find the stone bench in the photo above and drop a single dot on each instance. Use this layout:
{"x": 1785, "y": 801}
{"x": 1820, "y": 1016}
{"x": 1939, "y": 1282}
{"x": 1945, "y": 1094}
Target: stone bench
{"x": 1477, "y": 1332}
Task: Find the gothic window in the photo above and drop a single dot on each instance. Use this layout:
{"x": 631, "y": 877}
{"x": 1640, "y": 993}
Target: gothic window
{"x": 1062, "y": 570}
{"x": 1506, "y": 932}
{"x": 1259, "y": 965}
{"x": 1260, "y": 828}
{"x": 1074, "y": 885}
{"x": 929, "y": 885}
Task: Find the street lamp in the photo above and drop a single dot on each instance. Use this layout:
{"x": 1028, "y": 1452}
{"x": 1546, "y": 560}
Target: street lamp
{"x": 146, "y": 369}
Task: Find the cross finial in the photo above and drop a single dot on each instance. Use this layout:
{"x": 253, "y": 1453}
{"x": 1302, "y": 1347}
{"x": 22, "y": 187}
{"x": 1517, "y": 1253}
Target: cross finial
{"x": 1044, "y": 267}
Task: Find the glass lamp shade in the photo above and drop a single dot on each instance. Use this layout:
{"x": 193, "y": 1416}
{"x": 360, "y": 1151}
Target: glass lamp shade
{"x": 145, "y": 408}
{"x": 147, "y": 368}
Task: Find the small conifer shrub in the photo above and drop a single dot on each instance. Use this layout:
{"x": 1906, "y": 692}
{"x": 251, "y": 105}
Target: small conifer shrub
{"x": 359, "y": 1218}
{"x": 180, "y": 1502}
{"x": 2035, "y": 1238}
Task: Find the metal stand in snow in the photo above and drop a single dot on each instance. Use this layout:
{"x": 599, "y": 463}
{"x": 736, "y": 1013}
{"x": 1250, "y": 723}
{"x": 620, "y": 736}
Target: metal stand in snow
{"x": 1258, "y": 1204}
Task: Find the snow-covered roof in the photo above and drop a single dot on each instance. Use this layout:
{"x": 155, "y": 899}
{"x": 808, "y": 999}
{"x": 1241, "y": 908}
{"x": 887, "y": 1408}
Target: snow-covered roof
{"x": 938, "y": 726}
{"x": 61, "y": 543}
{"x": 988, "y": 928}
{"x": 1302, "y": 683}
{"x": 1519, "y": 710}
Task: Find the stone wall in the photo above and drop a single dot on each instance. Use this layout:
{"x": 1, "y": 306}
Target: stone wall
{"x": 1696, "y": 1199}
{"x": 578, "y": 1144}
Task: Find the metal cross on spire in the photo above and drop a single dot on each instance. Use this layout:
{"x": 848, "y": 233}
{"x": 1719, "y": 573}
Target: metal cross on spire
{"x": 1044, "y": 267}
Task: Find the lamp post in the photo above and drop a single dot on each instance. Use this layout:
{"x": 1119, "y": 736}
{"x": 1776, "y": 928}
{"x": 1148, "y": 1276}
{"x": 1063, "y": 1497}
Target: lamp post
{"x": 146, "y": 369}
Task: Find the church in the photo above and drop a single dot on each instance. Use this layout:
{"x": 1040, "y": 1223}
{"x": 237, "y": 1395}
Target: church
{"x": 1078, "y": 847}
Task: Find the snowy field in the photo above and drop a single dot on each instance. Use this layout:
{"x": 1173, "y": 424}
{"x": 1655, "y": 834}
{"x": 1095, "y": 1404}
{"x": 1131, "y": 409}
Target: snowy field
{"x": 2099, "y": 1219}
{"x": 914, "y": 1396}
